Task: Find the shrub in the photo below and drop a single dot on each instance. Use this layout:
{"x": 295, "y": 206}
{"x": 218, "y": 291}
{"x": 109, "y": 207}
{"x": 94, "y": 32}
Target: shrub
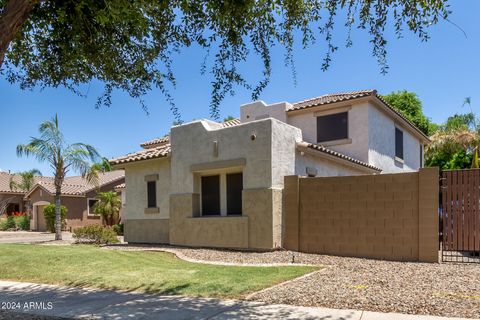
{"x": 8, "y": 224}
{"x": 49, "y": 212}
{"x": 95, "y": 234}
{"x": 118, "y": 228}
{"x": 22, "y": 222}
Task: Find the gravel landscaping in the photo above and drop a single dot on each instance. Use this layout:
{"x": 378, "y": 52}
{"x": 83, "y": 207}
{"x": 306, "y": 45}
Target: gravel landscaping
{"x": 448, "y": 289}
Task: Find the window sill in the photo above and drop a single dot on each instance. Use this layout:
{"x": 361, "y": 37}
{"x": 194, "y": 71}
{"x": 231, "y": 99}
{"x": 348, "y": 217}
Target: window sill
{"x": 335, "y": 142}
{"x": 152, "y": 210}
{"x": 400, "y": 160}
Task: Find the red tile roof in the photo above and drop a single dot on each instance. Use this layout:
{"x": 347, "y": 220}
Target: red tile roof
{"x": 345, "y": 96}
{"x": 155, "y": 142}
{"x": 5, "y": 178}
{"x": 331, "y": 98}
{"x": 339, "y": 155}
{"x": 77, "y": 186}
{"x": 146, "y": 154}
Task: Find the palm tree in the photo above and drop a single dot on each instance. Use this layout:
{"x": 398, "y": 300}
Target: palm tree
{"x": 108, "y": 206}
{"x": 51, "y": 147}
{"x": 27, "y": 180}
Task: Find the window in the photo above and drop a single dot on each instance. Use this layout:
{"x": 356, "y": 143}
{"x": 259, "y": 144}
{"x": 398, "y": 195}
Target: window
{"x": 152, "y": 194}
{"x": 332, "y": 127}
{"x": 421, "y": 157}
{"x": 210, "y": 195}
{"x": 234, "y": 193}
{"x": 398, "y": 143}
{"x": 91, "y": 203}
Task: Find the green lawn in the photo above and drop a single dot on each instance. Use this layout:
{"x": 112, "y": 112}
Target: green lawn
{"x": 152, "y": 272}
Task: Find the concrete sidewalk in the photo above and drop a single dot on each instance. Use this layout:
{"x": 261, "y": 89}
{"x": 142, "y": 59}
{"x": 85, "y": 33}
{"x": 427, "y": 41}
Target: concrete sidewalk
{"x": 70, "y": 302}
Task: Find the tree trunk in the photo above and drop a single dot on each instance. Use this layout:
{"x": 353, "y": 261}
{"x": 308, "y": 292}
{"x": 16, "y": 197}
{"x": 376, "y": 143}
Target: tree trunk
{"x": 58, "y": 215}
{"x": 12, "y": 17}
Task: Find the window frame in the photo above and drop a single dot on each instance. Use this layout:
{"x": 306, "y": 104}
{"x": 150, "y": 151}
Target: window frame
{"x": 397, "y": 157}
{"x": 154, "y": 194}
{"x": 344, "y": 138}
{"x": 88, "y": 206}
{"x": 211, "y": 214}
{"x": 241, "y": 193}
{"x": 222, "y": 173}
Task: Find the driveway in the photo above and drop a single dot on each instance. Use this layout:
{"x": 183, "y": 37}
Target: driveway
{"x": 66, "y": 302}
{"x": 31, "y": 236}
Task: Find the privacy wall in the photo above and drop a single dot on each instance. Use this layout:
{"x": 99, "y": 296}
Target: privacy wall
{"x": 388, "y": 216}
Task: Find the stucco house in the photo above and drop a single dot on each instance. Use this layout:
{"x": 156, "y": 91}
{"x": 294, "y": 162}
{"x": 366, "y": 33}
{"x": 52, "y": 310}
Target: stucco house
{"x": 78, "y": 196}
{"x": 220, "y": 184}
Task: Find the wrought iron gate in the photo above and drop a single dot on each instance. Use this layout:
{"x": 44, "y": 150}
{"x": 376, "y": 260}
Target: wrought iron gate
{"x": 460, "y": 215}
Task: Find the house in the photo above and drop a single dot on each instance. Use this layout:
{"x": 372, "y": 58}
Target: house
{"x": 78, "y": 196}
{"x": 12, "y": 200}
{"x": 220, "y": 184}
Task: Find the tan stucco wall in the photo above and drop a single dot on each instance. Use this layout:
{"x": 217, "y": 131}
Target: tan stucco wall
{"x": 146, "y": 231}
{"x": 391, "y": 216}
{"x": 136, "y": 189}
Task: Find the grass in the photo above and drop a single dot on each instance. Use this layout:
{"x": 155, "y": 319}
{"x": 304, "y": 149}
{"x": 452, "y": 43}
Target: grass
{"x": 150, "y": 272}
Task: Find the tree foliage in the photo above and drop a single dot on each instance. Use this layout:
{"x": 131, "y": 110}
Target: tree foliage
{"x": 27, "y": 180}
{"x": 129, "y": 44}
{"x": 108, "y": 206}
{"x": 52, "y": 148}
{"x": 454, "y": 144}
{"x": 410, "y": 106}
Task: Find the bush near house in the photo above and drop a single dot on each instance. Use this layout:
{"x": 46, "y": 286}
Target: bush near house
{"x": 95, "y": 234}
{"x": 118, "y": 228}
{"x": 7, "y": 224}
{"x": 22, "y": 222}
{"x": 49, "y": 212}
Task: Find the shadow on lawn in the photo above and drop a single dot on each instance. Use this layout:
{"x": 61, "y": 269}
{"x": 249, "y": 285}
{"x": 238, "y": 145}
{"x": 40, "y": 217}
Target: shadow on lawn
{"x": 104, "y": 304}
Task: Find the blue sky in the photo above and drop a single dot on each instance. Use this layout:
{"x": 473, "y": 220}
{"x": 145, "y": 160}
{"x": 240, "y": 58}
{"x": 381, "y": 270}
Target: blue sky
{"x": 442, "y": 71}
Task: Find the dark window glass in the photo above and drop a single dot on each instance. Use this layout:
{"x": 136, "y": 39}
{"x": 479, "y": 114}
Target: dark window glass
{"x": 332, "y": 127}
{"x": 152, "y": 194}
{"x": 211, "y": 195}
{"x": 421, "y": 158}
{"x": 398, "y": 143}
{"x": 234, "y": 193}
{"x": 91, "y": 204}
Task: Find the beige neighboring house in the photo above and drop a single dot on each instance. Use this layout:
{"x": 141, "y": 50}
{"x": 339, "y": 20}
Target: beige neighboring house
{"x": 77, "y": 195}
{"x": 220, "y": 184}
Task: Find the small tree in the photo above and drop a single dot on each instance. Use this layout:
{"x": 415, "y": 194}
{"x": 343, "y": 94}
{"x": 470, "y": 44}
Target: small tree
{"x": 27, "y": 180}
{"x": 108, "y": 206}
{"x": 50, "y": 216}
{"x": 52, "y": 148}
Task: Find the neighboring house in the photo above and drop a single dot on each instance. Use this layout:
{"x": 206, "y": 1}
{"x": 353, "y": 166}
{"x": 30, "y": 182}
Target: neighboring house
{"x": 220, "y": 184}
{"x": 12, "y": 200}
{"x": 78, "y": 196}
{"x": 120, "y": 189}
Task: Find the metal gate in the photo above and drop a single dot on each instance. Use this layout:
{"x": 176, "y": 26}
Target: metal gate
{"x": 460, "y": 215}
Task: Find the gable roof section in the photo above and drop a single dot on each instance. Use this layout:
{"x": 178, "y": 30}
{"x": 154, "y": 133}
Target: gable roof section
{"x": 146, "y": 154}
{"x": 346, "y": 96}
{"x": 5, "y": 182}
{"x": 337, "y": 155}
{"x": 155, "y": 142}
{"x": 78, "y": 186}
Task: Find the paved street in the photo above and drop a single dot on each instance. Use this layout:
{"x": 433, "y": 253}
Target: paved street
{"x": 100, "y": 304}
{"x": 30, "y": 236}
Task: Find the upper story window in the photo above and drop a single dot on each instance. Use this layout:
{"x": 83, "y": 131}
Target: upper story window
{"x": 398, "y": 143}
{"x": 151, "y": 194}
{"x": 332, "y": 127}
